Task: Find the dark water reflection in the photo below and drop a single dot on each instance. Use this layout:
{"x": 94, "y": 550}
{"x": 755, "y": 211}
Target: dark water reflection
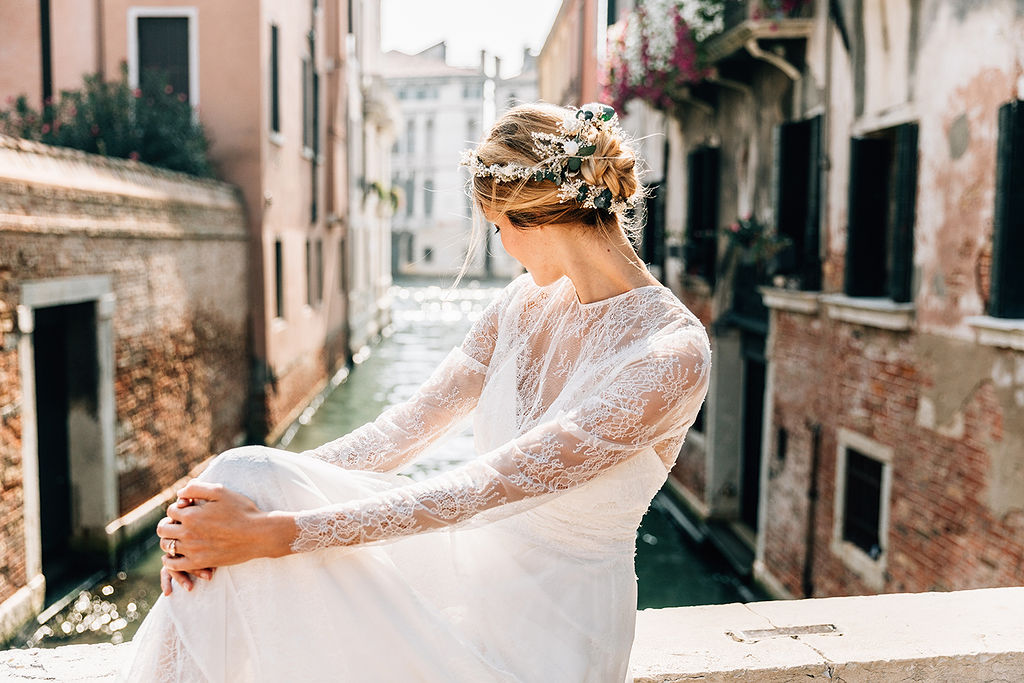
{"x": 427, "y": 322}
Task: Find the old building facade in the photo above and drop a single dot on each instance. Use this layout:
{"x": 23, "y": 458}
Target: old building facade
{"x": 443, "y": 110}
{"x": 840, "y": 206}
{"x": 218, "y": 313}
{"x": 123, "y": 319}
{"x": 273, "y": 95}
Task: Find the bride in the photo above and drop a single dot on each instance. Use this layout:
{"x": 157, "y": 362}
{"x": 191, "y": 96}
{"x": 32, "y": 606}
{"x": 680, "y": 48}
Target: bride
{"x": 583, "y": 378}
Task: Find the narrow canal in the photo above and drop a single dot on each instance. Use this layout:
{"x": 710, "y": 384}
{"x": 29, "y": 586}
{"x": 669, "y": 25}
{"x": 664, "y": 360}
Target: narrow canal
{"x": 672, "y": 570}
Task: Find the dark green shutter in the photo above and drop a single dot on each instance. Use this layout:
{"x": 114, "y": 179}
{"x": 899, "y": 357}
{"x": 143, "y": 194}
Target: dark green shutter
{"x": 867, "y": 215}
{"x": 1007, "y": 299}
{"x": 901, "y": 251}
{"x": 810, "y": 271}
{"x": 798, "y": 199}
{"x": 709, "y": 212}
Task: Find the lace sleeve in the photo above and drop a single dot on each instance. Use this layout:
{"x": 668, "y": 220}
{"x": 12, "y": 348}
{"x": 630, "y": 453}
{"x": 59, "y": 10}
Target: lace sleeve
{"x": 652, "y": 399}
{"x": 405, "y": 430}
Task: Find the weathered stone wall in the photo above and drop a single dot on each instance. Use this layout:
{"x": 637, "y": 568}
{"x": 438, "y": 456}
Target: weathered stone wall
{"x": 947, "y": 403}
{"x": 175, "y": 250}
{"x": 956, "y": 518}
{"x": 949, "y": 407}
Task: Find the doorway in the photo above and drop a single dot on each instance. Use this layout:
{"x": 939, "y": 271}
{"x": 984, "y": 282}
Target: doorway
{"x": 67, "y": 418}
{"x": 752, "y": 351}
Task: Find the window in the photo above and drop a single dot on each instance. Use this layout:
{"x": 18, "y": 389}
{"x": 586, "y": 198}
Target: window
{"x": 861, "y": 505}
{"x": 275, "y": 75}
{"x": 701, "y": 242}
{"x": 1007, "y": 299}
{"x": 410, "y": 196}
{"x": 428, "y": 198}
{"x": 278, "y": 279}
{"x": 318, "y": 293}
{"x": 165, "y": 40}
{"x": 882, "y": 197}
{"x": 309, "y": 272}
{"x": 428, "y": 254}
{"x": 410, "y": 137}
{"x": 163, "y": 48}
{"x": 652, "y": 248}
{"x": 428, "y": 137}
{"x": 798, "y": 200}
{"x": 471, "y": 133}
{"x": 862, "y": 496}
{"x": 307, "y": 104}
{"x": 613, "y": 13}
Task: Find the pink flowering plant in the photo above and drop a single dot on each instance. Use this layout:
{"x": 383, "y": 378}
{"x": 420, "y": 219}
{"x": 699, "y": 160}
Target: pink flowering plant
{"x": 151, "y": 123}
{"x": 656, "y": 51}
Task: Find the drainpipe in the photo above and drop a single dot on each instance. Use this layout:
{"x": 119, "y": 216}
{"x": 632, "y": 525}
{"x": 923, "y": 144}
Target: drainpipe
{"x": 812, "y": 506}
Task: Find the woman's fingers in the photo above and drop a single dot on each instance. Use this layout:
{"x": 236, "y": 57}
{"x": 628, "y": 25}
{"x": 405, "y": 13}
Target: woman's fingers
{"x": 166, "y": 575}
{"x": 201, "y": 489}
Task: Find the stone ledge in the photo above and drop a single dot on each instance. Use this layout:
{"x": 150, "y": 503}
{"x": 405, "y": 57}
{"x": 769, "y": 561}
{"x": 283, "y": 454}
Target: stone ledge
{"x": 797, "y": 301}
{"x": 871, "y": 311}
{"x": 970, "y": 635}
{"x": 1002, "y": 332}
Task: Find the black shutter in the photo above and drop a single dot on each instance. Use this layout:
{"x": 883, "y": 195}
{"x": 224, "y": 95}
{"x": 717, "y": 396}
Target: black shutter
{"x": 1007, "y": 300}
{"x": 798, "y": 201}
{"x": 709, "y": 211}
{"x": 163, "y": 47}
{"x": 791, "y": 169}
{"x": 867, "y": 214}
{"x": 652, "y": 249}
{"x": 700, "y": 249}
{"x": 905, "y": 198}
{"x": 691, "y": 245}
{"x": 810, "y": 271}
{"x": 275, "y": 75}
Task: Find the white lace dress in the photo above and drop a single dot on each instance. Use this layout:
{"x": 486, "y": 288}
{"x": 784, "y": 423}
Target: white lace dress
{"x": 516, "y": 566}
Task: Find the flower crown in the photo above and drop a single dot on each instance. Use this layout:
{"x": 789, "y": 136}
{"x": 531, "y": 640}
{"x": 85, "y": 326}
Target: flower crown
{"x": 561, "y": 158}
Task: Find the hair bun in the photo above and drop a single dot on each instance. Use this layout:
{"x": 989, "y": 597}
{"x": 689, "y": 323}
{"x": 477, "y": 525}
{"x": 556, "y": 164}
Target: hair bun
{"x": 611, "y": 165}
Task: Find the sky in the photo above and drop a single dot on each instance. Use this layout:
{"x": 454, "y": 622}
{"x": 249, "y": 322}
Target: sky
{"x": 502, "y": 27}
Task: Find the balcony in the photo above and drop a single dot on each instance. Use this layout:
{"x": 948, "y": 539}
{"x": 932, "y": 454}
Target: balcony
{"x": 745, "y": 21}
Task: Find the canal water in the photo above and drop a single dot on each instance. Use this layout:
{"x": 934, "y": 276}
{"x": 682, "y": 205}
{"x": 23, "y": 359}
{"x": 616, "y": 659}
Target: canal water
{"x": 427, "y": 321}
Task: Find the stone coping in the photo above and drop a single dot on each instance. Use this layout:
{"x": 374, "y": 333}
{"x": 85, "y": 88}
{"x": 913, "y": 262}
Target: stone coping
{"x": 1001, "y": 332}
{"x": 27, "y": 161}
{"x": 969, "y": 635}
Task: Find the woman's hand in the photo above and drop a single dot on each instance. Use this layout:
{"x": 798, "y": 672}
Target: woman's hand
{"x": 222, "y": 528}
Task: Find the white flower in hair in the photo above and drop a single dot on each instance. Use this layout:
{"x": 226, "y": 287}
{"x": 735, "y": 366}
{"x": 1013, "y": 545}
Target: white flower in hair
{"x": 561, "y": 157}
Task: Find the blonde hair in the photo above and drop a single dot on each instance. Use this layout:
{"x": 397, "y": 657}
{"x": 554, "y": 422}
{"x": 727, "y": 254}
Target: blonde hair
{"x": 532, "y": 203}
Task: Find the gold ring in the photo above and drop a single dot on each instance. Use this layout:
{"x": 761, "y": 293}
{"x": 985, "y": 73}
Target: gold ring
{"x": 170, "y": 548}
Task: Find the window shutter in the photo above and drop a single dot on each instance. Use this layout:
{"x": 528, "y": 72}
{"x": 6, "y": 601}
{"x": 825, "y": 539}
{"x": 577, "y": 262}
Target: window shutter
{"x": 810, "y": 272}
{"x": 709, "y": 212}
{"x": 867, "y": 214}
{"x": 1007, "y": 298}
{"x": 902, "y": 233}
{"x": 275, "y": 101}
{"x": 163, "y": 47}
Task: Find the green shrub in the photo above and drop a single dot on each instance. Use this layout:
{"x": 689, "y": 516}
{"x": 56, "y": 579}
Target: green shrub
{"x": 151, "y": 123}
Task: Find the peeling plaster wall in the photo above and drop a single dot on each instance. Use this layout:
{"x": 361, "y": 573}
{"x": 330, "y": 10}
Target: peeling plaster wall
{"x": 952, "y": 410}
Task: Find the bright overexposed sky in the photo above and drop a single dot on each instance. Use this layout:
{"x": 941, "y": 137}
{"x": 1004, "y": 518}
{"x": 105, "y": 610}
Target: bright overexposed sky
{"x": 502, "y": 27}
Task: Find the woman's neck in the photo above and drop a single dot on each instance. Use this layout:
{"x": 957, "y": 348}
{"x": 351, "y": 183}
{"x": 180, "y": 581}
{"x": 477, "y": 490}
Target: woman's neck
{"x": 603, "y": 267}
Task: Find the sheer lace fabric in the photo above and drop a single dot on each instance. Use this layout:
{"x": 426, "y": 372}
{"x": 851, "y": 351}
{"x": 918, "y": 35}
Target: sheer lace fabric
{"x": 578, "y": 410}
{"x": 621, "y": 376}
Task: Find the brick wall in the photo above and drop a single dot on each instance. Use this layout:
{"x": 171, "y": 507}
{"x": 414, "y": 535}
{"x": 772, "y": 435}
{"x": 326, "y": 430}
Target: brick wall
{"x": 175, "y": 249}
{"x": 942, "y": 405}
